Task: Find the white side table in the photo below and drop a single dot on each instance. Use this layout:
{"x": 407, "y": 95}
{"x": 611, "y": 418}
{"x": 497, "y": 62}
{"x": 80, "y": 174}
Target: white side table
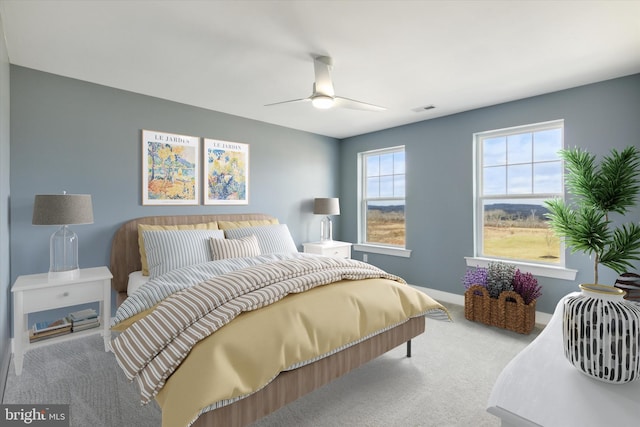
{"x": 540, "y": 387}
{"x": 35, "y": 292}
{"x": 331, "y": 248}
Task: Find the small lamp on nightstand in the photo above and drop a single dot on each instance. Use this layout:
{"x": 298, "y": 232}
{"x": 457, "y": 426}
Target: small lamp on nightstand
{"x": 326, "y": 206}
{"x": 63, "y": 210}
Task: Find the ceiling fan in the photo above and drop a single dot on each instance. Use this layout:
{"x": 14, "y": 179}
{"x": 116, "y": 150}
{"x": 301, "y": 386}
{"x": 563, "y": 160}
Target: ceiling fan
{"x": 323, "y": 95}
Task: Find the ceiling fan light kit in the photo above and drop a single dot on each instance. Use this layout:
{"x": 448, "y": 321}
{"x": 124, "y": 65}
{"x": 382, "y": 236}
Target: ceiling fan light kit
{"x": 323, "y": 96}
{"x": 322, "y": 102}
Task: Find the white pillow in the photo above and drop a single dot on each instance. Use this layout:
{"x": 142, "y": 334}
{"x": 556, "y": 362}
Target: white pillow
{"x": 136, "y": 279}
{"x": 234, "y": 248}
{"x": 170, "y": 249}
{"x": 272, "y": 239}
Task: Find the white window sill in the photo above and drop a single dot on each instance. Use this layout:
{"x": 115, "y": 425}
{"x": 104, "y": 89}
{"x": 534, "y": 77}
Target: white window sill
{"x": 535, "y": 269}
{"x": 384, "y": 250}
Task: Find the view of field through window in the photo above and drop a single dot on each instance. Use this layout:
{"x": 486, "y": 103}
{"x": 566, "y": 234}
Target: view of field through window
{"x": 519, "y": 168}
{"x": 383, "y": 186}
{"x": 386, "y": 224}
{"x": 519, "y": 231}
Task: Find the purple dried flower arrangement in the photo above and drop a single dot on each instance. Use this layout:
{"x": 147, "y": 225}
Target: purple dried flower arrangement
{"x": 475, "y": 276}
{"x": 527, "y": 286}
{"x": 523, "y": 283}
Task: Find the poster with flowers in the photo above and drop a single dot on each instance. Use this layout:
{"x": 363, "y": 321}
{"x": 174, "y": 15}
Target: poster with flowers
{"x": 170, "y": 169}
{"x": 226, "y": 172}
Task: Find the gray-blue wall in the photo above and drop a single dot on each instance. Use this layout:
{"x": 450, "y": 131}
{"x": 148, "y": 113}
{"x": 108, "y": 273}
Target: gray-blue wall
{"x": 439, "y": 210}
{"x": 5, "y": 279}
{"x": 81, "y": 137}
{"x": 85, "y": 138}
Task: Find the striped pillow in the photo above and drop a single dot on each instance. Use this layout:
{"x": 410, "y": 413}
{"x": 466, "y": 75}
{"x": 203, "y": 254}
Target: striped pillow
{"x": 272, "y": 239}
{"x": 234, "y": 248}
{"x": 170, "y": 249}
{"x": 146, "y": 227}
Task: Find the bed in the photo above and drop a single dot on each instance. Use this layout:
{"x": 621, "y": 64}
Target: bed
{"x": 289, "y": 384}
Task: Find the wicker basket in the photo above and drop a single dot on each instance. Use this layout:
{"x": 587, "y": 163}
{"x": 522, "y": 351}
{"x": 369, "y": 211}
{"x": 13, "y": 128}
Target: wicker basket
{"x": 508, "y": 311}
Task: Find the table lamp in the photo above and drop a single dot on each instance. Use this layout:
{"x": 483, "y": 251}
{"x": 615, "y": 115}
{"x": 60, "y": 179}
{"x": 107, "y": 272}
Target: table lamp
{"x": 63, "y": 210}
{"x": 326, "y": 206}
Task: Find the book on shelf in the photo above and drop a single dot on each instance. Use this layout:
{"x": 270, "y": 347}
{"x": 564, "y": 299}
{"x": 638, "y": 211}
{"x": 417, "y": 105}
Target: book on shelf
{"x": 84, "y": 319}
{"x": 81, "y": 315}
{"x": 85, "y": 326}
{"x": 45, "y": 330}
{"x": 40, "y": 327}
{"x": 75, "y": 323}
{"x": 51, "y": 334}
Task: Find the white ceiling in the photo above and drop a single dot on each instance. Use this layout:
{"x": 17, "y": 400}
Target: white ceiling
{"x": 237, "y": 56}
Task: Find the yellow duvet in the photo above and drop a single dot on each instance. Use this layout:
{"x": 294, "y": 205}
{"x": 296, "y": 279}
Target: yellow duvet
{"x": 246, "y": 354}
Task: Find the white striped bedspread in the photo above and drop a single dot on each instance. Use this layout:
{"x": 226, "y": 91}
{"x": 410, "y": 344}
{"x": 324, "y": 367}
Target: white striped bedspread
{"x": 153, "y": 347}
{"x": 159, "y": 288}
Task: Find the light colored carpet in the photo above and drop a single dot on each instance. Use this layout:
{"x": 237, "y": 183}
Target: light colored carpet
{"x": 446, "y": 383}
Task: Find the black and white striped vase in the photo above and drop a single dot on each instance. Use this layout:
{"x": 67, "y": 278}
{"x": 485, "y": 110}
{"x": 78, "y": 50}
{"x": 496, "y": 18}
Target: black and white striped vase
{"x": 601, "y": 332}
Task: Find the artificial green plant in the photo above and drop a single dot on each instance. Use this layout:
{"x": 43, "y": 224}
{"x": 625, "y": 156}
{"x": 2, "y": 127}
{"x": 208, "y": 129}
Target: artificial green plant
{"x": 596, "y": 191}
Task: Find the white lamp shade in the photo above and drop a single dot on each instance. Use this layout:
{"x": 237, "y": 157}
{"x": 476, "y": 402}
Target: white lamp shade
{"x": 326, "y": 206}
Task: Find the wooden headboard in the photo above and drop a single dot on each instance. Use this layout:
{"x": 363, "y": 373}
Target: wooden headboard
{"x": 125, "y": 253}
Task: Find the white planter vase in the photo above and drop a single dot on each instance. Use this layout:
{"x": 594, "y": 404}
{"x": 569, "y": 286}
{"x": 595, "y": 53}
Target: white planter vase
{"x": 601, "y": 332}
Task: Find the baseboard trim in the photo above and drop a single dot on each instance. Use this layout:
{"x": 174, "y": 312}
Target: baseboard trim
{"x": 448, "y": 297}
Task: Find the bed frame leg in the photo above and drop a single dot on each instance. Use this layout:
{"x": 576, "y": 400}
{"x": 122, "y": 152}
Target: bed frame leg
{"x": 409, "y": 348}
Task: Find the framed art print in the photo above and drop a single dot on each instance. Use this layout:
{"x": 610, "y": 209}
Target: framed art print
{"x": 170, "y": 169}
{"x": 226, "y": 173}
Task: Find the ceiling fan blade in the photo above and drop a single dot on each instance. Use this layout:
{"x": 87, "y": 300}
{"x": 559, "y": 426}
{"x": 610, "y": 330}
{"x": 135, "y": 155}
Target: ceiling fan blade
{"x": 288, "y": 102}
{"x": 355, "y": 105}
{"x": 322, "y": 68}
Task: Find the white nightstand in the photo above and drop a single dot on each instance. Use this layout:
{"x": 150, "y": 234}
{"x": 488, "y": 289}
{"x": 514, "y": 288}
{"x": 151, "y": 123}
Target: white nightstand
{"x": 331, "y": 248}
{"x": 35, "y": 292}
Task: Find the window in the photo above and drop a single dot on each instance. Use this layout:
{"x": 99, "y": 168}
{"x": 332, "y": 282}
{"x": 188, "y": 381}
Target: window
{"x": 381, "y": 217}
{"x": 516, "y": 170}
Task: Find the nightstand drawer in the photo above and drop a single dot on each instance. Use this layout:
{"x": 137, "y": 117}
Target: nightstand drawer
{"x": 63, "y": 296}
{"x": 334, "y": 249}
{"x": 339, "y": 252}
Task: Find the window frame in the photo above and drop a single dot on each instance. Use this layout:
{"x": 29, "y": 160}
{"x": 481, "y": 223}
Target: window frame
{"x": 363, "y": 245}
{"x": 556, "y": 270}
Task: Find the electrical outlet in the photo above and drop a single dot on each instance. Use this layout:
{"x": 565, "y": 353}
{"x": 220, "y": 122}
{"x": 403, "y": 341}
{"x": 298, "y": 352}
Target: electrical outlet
{"x": 365, "y": 257}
